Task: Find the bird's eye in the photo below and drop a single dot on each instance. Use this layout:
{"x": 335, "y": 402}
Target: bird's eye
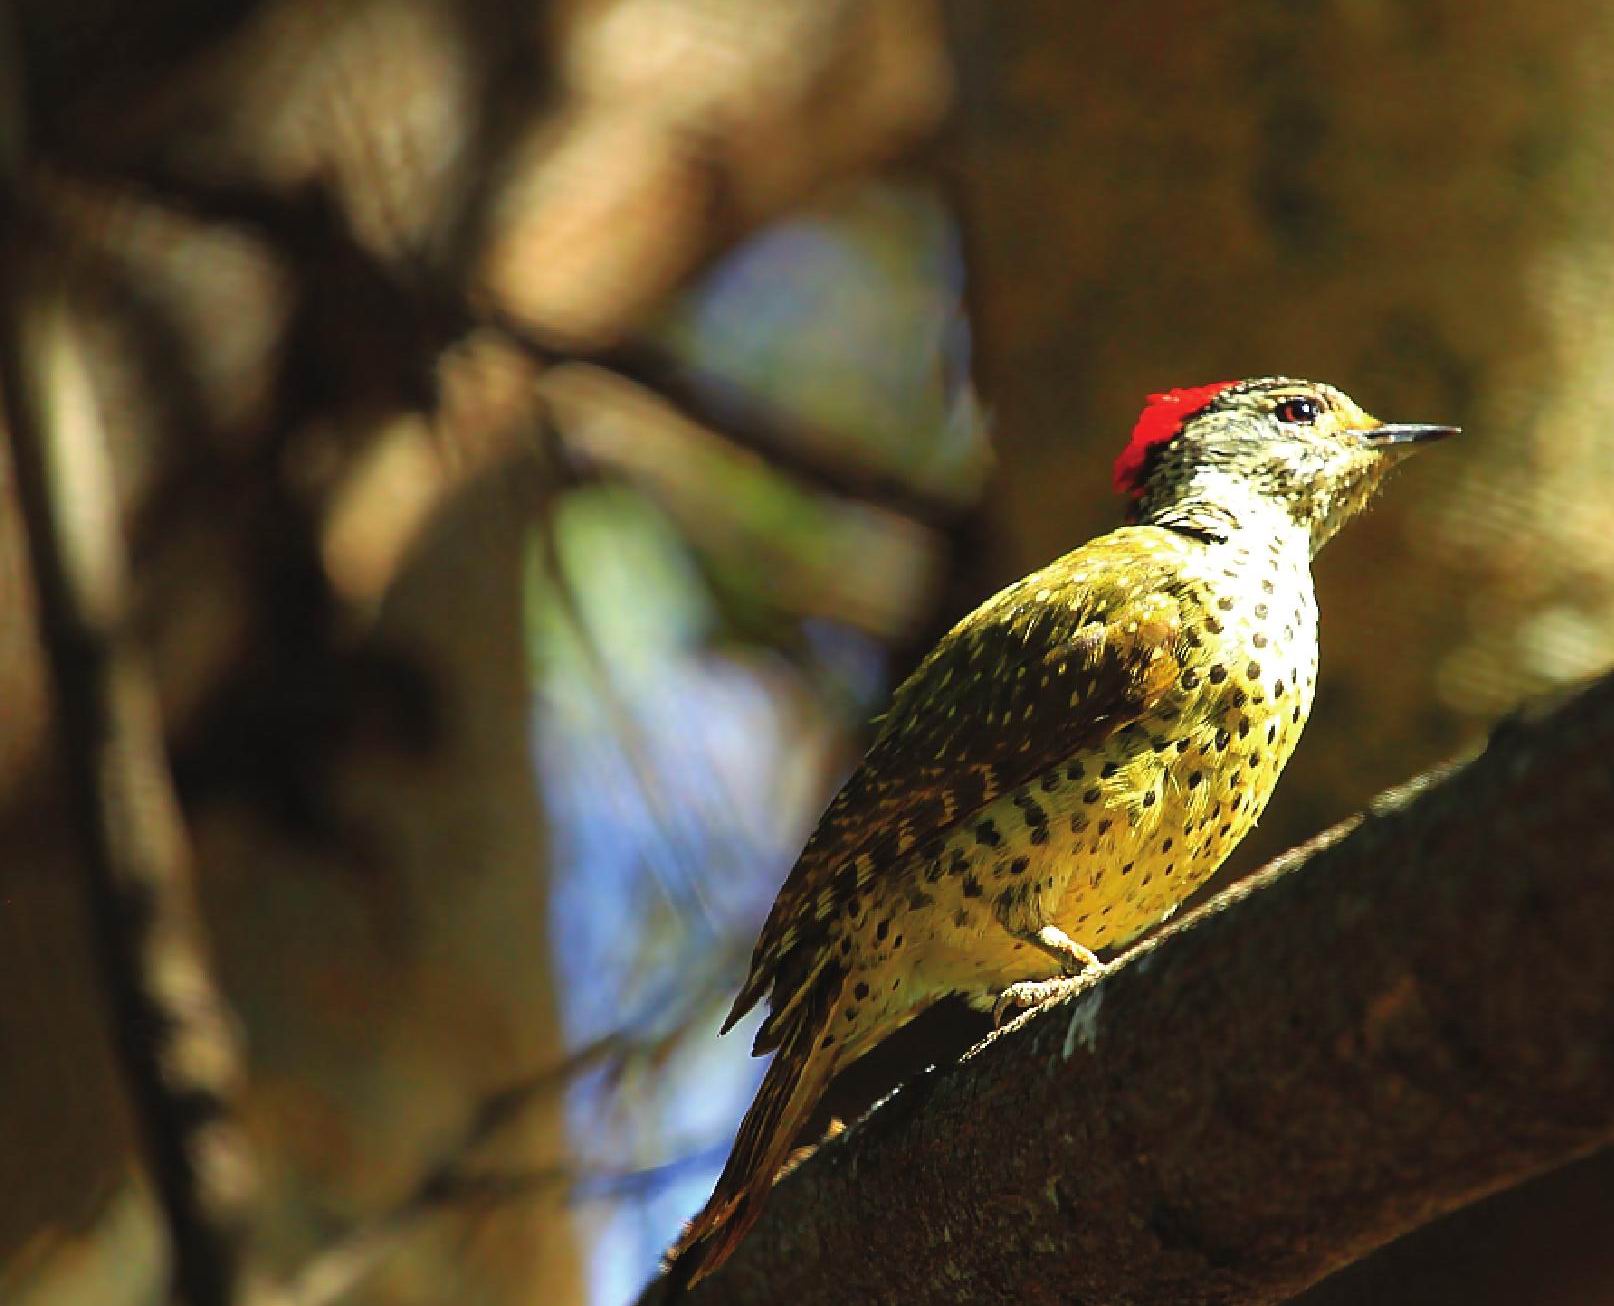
{"x": 1300, "y": 411}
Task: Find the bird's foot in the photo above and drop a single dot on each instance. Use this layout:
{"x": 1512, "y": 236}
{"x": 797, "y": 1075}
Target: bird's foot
{"x": 1027, "y": 994}
{"x": 1076, "y": 959}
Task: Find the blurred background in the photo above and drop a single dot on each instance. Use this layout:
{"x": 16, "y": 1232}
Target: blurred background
{"x": 540, "y": 436}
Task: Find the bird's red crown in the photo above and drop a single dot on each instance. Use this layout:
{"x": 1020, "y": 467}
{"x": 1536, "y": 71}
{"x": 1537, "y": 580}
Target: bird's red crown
{"x": 1162, "y": 417}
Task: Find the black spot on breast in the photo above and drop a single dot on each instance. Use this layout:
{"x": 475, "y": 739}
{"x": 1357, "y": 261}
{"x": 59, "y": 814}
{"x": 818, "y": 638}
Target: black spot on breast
{"x": 1019, "y": 866}
{"x": 987, "y": 835}
{"x": 860, "y": 991}
{"x": 853, "y": 906}
{"x": 1039, "y": 835}
{"x": 1148, "y": 799}
{"x": 1261, "y": 608}
{"x": 1073, "y": 772}
{"x": 881, "y": 930}
{"x": 972, "y": 887}
{"x": 1189, "y": 679}
{"x": 1258, "y": 639}
{"x": 1030, "y": 809}
{"x": 1091, "y": 796}
{"x": 1218, "y": 674}
{"x": 1225, "y": 603}
{"x": 1108, "y": 770}
{"x": 1049, "y": 782}
{"x": 1195, "y": 779}
{"x": 1253, "y": 671}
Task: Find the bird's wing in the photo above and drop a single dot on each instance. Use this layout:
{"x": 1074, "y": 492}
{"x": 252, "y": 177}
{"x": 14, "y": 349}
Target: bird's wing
{"x": 1050, "y": 666}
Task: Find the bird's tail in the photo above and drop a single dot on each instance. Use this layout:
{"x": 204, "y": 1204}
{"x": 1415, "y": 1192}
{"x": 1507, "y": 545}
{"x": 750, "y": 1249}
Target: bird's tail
{"x": 791, "y": 1088}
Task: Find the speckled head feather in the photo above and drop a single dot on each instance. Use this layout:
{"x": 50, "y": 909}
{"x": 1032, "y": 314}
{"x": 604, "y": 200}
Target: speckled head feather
{"x": 1162, "y": 418}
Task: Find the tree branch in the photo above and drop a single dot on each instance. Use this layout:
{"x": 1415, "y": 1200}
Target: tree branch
{"x": 1412, "y": 1012}
{"x": 168, "y": 1021}
{"x": 754, "y": 426}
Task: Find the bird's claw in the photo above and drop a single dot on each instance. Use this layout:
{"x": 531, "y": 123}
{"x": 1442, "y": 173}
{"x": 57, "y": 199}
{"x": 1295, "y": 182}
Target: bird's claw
{"x": 1028, "y": 994}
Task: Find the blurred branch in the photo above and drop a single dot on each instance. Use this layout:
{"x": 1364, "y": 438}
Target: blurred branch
{"x": 307, "y": 226}
{"x": 486, "y": 422}
{"x": 169, "y": 1022}
{"x": 451, "y": 1183}
{"x": 1407, "y": 1014}
{"x": 689, "y": 896}
{"x": 865, "y": 569}
{"x": 335, "y": 1273}
{"x": 752, "y": 425}
{"x": 331, "y": 1275}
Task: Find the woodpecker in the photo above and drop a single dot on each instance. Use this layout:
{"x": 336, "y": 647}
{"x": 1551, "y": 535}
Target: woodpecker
{"x": 1070, "y": 762}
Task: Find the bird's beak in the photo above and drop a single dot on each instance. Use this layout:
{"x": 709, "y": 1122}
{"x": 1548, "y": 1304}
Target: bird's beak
{"x": 1381, "y": 437}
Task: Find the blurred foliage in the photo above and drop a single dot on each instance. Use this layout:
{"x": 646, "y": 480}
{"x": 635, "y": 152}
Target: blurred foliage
{"x": 709, "y": 647}
{"x": 651, "y": 314}
{"x": 342, "y": 272}
{"x": 848, "y": 317}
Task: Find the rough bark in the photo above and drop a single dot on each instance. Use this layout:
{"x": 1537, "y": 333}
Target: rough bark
{"x": 1411, "y": 1012}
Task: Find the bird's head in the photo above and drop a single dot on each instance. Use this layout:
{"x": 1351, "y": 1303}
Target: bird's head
{"x": 1300, "y": 446}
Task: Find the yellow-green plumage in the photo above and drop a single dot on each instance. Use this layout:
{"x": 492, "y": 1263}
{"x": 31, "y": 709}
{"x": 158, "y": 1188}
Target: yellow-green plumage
{"x": 1071, "y": 761}
{"x": 1104, "y": 840}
